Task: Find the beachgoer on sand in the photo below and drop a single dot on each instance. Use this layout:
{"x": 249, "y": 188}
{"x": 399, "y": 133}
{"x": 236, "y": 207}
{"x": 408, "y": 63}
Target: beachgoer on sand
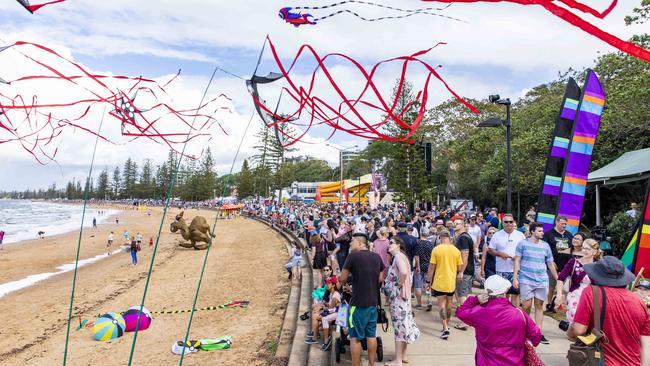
{"x": 41, "y": 234}
{"x": 94, "y": 222}
{"x": 151, "y": 242}
{"x": 138, "y": 239}
{"x": 134, "y": 251}
{"x": 2, "y": 236}
{"x": 125, "y": 235}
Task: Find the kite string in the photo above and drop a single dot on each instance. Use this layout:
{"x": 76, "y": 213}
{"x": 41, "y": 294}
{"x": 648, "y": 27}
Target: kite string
{"x": 76, "y": 261}
{"x": 162, "y": 220}
{"x": 207, "y": 252}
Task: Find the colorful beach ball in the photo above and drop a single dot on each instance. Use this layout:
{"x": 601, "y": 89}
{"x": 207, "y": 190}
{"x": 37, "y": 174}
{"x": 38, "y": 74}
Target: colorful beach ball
{"x": 131, "y": 318}
{"x": 109, "y": 326}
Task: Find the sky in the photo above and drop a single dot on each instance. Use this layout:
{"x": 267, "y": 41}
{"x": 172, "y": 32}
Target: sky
{"x": 492, "y": 48}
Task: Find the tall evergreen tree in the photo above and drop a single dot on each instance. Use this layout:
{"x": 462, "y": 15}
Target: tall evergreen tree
{"x": 102, "y": 185}
{"x": 116, "y": 183}
{"x": 245, "y": 181}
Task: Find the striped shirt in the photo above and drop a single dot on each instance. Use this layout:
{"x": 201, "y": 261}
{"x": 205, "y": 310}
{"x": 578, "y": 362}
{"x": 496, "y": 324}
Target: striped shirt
{"x": 533, "y": 262}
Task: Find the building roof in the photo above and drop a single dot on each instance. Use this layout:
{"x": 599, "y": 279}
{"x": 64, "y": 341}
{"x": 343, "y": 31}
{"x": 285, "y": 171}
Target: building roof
{"x": 629, "y": 167}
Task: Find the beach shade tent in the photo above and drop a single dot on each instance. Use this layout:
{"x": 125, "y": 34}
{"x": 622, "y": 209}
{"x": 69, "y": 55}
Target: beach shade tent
{"x": 131, "y": 316}
{"x": 630, "y": 167}
{"x": 109, "y": 326}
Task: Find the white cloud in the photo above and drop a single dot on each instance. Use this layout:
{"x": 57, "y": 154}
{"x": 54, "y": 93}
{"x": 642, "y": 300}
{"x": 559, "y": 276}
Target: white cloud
{"x": 518, "y": 40}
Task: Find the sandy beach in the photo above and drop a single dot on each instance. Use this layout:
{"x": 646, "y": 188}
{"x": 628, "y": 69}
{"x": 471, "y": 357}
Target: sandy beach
{"x": 246, "y": 264}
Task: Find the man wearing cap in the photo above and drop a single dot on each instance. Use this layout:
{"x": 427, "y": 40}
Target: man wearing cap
{"x": 367, "y": 270}
{"x": 503, "y": 246}
{"x": 500, "y": 336}
{"x": 409, "y": 240}
{"x": 626, "y": 321}
{"x": 422, "y": 259}
{"x": 445, "y": 268}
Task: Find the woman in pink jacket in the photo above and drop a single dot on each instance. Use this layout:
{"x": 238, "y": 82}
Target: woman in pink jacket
{"x": 501, "y": 329}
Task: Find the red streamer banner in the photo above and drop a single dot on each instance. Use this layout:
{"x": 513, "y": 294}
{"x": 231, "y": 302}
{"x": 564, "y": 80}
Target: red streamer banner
{"x": 32, "y": 8}
{"x": 571, "y": 18}
{"x": 36, "y": 108}
{"x": 350, "y": 115}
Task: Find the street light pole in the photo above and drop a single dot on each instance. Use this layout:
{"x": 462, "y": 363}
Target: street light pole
{"x": 497, "y": 122}
{"x": 509, "y": 192}
{"x": 341, "y": 176}
{"x": 341, "y": 168}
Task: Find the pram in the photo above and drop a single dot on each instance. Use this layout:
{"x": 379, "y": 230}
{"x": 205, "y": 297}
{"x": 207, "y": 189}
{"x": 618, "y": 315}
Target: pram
{"x": 342, "y": 340}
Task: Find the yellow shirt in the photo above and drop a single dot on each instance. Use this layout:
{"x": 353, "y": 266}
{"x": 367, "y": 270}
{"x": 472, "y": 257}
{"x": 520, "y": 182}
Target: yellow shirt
{"x": 446, "y": 258}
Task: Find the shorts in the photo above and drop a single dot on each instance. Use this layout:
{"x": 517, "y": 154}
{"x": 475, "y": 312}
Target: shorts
{"x": 363, "y": 322}
{"x": 422, "y": 278}
{"x": 551, "y": 280}
{"x": 508, "y": 276}
{"x": 538, "y": 292}
{"x": 440, "y": 293}
{"x": 464, "y": 286}
{"x": 417, "y": 280}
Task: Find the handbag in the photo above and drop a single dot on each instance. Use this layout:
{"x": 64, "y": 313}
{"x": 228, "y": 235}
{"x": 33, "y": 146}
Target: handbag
{"x": 381, "y": 314}
{"x": 531, "y": 358}
{"x": 587, "y": 350}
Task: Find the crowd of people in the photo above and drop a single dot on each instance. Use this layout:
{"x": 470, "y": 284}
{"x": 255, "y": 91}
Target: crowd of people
{"x": 518, "y": 270}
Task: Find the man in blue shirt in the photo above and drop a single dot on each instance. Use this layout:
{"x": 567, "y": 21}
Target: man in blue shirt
{"x": 532, "y": 258}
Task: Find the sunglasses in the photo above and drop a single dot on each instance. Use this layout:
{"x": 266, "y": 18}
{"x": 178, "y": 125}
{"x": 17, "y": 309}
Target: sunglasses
{"x": 327, "y": 270}
{"x": 508, "y": 222}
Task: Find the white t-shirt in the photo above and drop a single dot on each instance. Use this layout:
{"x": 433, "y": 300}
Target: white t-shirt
{"x": 474, "y": 232}
{"x": 507, "y": 243}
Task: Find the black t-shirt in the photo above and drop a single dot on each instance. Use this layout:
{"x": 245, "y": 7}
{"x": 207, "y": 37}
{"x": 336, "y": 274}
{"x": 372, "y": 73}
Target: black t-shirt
{"x": 365, "y": 267}
{"x": 559, "y": 242}
{"x": 465, "y": 242}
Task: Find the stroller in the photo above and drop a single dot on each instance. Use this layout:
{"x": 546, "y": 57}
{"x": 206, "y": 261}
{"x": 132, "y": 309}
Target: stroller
{"x": 342, "y": 340}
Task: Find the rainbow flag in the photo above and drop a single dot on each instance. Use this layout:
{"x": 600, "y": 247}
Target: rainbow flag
{"x": 637, "y": 254}
{"x": 549, "y": 192}
{"x": 583, "y": 137}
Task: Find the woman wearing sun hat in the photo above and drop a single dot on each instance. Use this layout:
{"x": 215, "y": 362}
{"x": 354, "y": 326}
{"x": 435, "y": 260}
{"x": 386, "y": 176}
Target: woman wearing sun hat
{"x": 502, "y": 330}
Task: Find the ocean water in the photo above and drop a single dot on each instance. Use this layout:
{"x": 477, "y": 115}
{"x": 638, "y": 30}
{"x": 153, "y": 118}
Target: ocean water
{"x": 9, "y": 287}
{"x": 23, "y": 219}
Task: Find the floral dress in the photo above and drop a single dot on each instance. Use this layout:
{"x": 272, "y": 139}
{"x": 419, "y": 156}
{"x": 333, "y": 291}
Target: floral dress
{"x": 573, "y": 297}
{"x": 400, "y": 310}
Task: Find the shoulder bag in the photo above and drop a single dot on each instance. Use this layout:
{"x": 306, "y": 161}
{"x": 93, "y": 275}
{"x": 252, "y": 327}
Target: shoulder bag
{"x": 531, "y": 358}
{"x": 587, "y": 351}
{"x": 381, "y": 313}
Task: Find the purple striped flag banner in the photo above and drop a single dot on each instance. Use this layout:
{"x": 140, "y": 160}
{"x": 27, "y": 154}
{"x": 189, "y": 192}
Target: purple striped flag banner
{"x": 581, "y": 146}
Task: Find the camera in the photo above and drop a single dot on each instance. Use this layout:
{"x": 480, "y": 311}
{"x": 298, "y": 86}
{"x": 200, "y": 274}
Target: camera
{"x": 494, "y": 98}
{"x": 564, "y": 325}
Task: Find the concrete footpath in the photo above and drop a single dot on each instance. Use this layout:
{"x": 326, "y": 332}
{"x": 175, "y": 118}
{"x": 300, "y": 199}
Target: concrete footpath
{"x": 458, "y": 350}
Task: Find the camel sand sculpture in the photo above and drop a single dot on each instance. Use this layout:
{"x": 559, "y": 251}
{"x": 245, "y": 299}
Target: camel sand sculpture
{"x": 198, "y": 231}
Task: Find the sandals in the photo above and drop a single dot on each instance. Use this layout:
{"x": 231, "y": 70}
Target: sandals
{"x": 460, "y": 326}
{"x": 304, "y": 316}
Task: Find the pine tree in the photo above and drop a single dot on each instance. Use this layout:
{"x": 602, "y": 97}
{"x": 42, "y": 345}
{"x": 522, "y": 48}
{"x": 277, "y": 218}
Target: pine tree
{"x": 145, "y": 185}
{"x": 102, "y": 185}
{"x": 116, "y": 182}
{"x": 245, "y": 181}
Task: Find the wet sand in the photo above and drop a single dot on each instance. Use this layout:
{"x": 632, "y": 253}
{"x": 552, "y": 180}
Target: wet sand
{"x": 246, "y": 263}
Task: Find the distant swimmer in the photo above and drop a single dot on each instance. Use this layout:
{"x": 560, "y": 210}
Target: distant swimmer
{"x": 41, "y": 234}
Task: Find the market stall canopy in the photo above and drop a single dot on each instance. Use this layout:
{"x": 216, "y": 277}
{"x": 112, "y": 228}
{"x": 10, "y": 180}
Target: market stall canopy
{"x": 630, "y": 167}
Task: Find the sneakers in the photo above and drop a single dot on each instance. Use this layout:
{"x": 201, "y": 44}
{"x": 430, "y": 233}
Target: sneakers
{"x": 311, "y": 340}
{"x": 444, "y": 334}
{"x": 418, "y": 306}
{"x": 326, "y": 346}
{"x": 429, "y": 307}
{"x": 544, "y": 340}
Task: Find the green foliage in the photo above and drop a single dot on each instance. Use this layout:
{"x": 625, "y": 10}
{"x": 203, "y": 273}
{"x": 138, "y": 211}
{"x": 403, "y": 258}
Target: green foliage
{"x": 245, "y": 181}
{"x": 620, "y": 229}
{"x": 640, "y": 14}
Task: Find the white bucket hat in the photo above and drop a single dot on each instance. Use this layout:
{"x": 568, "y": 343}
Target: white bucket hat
{"x": 496, "y": 285}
